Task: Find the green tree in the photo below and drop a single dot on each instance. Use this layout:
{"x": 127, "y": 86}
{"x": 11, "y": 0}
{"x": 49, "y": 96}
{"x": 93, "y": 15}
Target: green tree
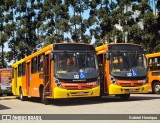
{"x": 25, "y": 38}
{"x": 10, "y": 28}
{"x": 61, "y": 12}
{"x": 75, "y": 20}
{"x": 4, "y": 65}
{"x": 47, "y": 27}
{"x": 55, "y": 17}
{"x": 5, "y": 22}
{"x": 149, "y": 25}
{"x": 105, "y": 20}
{"x": 157, "y": 46}
{"x": 2, "y": 41}
{"x": 29, "y": 25}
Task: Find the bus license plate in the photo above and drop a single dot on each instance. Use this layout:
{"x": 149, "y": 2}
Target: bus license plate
{"x": 132, "y": 90}
{"x": 80, "y": 93}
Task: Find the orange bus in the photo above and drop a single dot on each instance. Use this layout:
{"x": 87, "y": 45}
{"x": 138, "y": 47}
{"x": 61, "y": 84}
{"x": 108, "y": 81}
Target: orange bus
{"x": 123, "y": 69}
{"x": 5, "y": 81}
{"x": 60, "y": 70}
{"x": 153, "y": 62}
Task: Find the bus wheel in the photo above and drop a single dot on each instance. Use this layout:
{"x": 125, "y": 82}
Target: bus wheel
{"x": 156, "y": 87}
{"x": 124, "y": 96}
{"x": 42, "y": 97}
{"x": 45, "y": 101}
{"x": 22, "y": 98}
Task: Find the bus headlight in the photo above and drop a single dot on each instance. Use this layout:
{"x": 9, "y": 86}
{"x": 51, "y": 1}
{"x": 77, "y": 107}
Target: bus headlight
{"x": 58, "y": 84}
{"x": 98, "y": 81}
{"x": 113, "y": 80}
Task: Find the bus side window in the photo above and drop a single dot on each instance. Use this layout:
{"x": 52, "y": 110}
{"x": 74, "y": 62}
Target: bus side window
{"x": 40, "y": 63}
{"x": 151, "y": 64}
{"x": 19, "y": 70}
{"x": 23, "y": 68}
{"x": 34, "y": 65}
{"x": 158, "y": 64}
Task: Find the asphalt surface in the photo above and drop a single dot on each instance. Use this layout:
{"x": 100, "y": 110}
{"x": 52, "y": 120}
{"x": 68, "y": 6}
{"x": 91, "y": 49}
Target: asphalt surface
{"x": 137, "y": 104}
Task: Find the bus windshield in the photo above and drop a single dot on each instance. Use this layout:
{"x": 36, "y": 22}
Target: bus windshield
{"x": 128, "y": 64}
{"x": 75, "y": 65}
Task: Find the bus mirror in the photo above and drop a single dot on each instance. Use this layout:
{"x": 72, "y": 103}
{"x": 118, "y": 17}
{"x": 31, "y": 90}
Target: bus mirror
{"x": 107, "y": 55}
{"x": 52, "y": 56}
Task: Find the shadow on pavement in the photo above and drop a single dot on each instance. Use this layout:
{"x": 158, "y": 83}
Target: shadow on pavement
{"x": 88, "y": 101}
{"x": 2, "y": 107}
{"x": 104, "y": 99}
{"x": 7, "y": 97}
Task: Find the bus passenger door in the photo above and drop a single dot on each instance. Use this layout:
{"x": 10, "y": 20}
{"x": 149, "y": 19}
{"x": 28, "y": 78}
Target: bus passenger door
{"x": 47, "y": 74}
{"x": 14, "y": 84}
{"x": 28, "y": 75}
{"x": 102, "y": 73}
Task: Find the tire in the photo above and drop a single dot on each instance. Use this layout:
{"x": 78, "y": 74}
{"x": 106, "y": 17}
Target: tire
{"x": 124, "y": 96}
{"x": 42, "y": 97}
{"x": 46, "y": 101}
{"x": 22, "y": 98}
{"x": 156, "y": 88}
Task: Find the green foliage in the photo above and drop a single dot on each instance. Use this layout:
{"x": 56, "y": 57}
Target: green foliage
{"x": 27, "y": 25}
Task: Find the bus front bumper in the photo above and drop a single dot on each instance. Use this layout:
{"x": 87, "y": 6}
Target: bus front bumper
{"x": 64, "y": 93}
{"x": 114, "y": 89}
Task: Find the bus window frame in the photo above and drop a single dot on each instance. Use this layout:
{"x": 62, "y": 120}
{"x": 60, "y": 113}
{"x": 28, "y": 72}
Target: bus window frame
{"x": 19, "y": 70}
{"x": 40, "y": 63}
{"x": 23, "y": 68}
{"x": 34, "y": 65}
{"x": 154, "y": 64}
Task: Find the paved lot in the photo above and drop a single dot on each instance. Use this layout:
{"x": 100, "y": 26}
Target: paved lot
{"x": 137, "y": 104}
